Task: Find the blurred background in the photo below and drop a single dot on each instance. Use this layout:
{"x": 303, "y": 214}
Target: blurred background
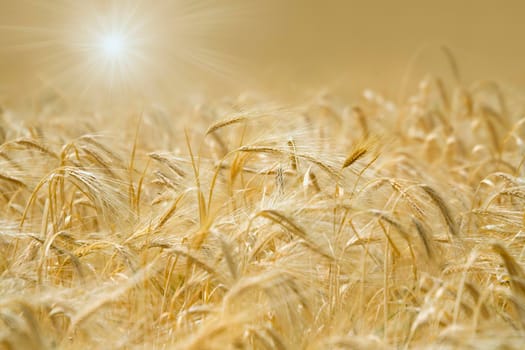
{"x": 284, "y": 46}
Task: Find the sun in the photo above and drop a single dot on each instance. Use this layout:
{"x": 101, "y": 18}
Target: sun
{"x": 106, "y": 50}
{"x": 112, "y": 57}
{"x": 113, "y": 46}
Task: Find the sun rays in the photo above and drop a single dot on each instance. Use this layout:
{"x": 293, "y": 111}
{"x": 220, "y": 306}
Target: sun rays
{"x": 105, "y": 50}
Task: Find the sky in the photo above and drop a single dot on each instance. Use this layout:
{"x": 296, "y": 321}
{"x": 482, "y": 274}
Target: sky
{"x": 284, "y": 45}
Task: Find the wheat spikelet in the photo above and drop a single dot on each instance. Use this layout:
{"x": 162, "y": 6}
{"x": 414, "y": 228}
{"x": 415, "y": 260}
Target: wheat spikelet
{"x": 515, "y": 270}
{"x": 425, "y": 237}
{"x": 32, "y": 144}
{"x": 445, "y": 211}
{"x": 294, "y": 163}
{"x": 291, "y": 226}
{"x": 354, "y": 156}
{"x": 12, "y": 180}
{"x": 223, "y": 123}
{"x": 170, "y": 164}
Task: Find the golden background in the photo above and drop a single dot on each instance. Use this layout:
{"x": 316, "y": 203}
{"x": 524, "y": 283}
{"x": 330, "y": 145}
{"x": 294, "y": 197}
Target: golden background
{"x": 296, "y": 44}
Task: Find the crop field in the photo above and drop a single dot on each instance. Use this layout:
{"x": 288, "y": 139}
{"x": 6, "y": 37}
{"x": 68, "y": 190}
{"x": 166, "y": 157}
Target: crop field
{"x": 253, "y": 220}
{"x": 319, "y": 226}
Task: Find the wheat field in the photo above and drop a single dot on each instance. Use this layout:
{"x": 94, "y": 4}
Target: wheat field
{"x": 299, "y": 174}
{"x": 317, "y": 226}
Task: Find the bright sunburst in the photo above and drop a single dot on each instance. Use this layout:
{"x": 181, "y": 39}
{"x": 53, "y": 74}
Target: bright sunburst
{"x": 102, "y": 49}
{"x": 114, "y": 46}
